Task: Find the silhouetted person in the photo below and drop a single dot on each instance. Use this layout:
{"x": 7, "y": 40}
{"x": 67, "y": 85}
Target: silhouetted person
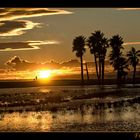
{"x": 36, "y": 78}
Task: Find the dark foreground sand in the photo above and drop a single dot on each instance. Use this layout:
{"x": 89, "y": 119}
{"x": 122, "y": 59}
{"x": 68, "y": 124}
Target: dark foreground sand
{"x": 62, "y": 82}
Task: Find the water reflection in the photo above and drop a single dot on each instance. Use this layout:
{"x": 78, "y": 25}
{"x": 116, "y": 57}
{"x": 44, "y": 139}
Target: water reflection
{"x": 27, "y": 121}
{"x": 111, "y": 119}
{"x": 1, "y": 116}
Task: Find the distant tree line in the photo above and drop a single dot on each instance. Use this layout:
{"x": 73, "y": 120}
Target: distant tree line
{"x": 98, "y": 45}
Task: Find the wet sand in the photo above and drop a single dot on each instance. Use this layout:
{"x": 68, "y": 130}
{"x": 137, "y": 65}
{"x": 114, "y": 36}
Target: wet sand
{"x": 70, "y": 108}
{"x": 55, "y": 98}
{"x": 62, "y": 82}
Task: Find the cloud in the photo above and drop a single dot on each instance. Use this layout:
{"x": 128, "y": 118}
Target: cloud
{"x": 128, "y": 9}
{"x": 19, "y": 64}
{"x": 16, "y": 27}
{"x": 71, "y": 63}
{"x": 131, "y": 43}
{"x": 18, "y": 13}
{"x": 10, "y": 25}
{"x": 27, "y": 45}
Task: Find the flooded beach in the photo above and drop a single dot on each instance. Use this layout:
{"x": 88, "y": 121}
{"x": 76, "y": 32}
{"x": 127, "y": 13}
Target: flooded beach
{"x": 70, "y": 108}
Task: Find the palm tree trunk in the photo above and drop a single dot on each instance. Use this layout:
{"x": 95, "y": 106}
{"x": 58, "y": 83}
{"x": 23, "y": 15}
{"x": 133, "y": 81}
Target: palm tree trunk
{"x": 118, "y": 76}
{"x": 100, "y": 69}
{"x": 96, "y": 65}
{"x": 87, "y": 71}
{"x": 103, "y": 62}
{"x": 82, "y": 77}
{"x": 134, "y": 74}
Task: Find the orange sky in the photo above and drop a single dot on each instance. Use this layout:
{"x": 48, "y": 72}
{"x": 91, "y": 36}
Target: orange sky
{"x": 39, "y": 35}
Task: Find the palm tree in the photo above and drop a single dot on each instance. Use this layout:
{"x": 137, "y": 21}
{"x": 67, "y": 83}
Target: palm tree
{"x": 91, "y": 42}
{"x": 122, "y": 64}
{"x": 98, "y": 47}
{"x": 79, "y": 48}
{"x": 103, "y": 51}
{"x": 134, "y": 60}
{"x": 115, "y": 56}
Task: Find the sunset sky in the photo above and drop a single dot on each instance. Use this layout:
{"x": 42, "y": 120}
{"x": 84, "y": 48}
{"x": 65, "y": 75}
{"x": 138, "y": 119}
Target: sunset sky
{"x": 38, "y": 35}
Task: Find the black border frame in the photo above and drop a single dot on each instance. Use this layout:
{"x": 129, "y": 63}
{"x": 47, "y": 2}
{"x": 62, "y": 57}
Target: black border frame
{"x": 70, "y": 4}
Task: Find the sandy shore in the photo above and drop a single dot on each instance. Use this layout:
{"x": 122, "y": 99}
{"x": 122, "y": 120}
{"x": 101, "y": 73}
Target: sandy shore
{"x": 63, "y": 98}
{"x": 33, "y": 83}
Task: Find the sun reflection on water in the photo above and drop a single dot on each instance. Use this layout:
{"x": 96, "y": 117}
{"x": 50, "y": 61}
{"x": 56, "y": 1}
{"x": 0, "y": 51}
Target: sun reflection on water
{"x": 114, "y": 118}
{"x": 30, "y": 121}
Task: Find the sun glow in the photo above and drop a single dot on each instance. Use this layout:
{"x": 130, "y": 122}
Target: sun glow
{"x": 44, "y": 74}
{"x": 51, "y": 74}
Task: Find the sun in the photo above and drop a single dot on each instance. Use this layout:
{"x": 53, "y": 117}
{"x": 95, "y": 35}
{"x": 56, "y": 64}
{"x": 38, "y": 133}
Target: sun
{"x": 44, "y": 74}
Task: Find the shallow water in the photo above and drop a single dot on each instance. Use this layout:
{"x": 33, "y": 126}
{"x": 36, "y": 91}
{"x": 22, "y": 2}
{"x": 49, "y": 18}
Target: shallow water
{"x": 87, "y": 118}
{"x": 114, "y": 119}
{"x": 70, "y": 89}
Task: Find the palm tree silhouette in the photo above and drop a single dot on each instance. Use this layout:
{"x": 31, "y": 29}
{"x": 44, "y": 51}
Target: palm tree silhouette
{"x": 91, "y": 42}
{"x": 116, "y": 55}
{"x": 79, "y": 48}
{"x": 134, "y": 60}
{"x": 103, "y": 50}
{"x": 98, "y": 47}
{"x": 122, "y": 65}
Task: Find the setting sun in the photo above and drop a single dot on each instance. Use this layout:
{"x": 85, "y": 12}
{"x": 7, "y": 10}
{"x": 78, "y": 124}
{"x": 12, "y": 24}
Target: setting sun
{"x": 44, "y": 74}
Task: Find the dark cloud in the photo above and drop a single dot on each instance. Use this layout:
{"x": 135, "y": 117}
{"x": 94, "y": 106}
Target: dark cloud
{"x": 20, "y": 64}
{"x": 71, "y": 63}
{"x": 16, "y": 27}
{"x": 26, "y": 45}
{"x": 3, "y": 70}
{"x": 52, "y": 65}
{"x": 14, "y": 46}
{"x": 10, "y": 26}
{"x": 16, "y": 13}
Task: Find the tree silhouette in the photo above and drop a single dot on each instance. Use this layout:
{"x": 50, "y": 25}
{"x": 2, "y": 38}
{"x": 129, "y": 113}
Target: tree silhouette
{"x": 116, "y": 55}
{"x": 134, "y": 60}
{"x": 103, "y": 50}
{"x": 91, "y": 42}
{"x": 79, "y": 48}
{"x": 98, "y": 47}
{"x": 122, "y": 65}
